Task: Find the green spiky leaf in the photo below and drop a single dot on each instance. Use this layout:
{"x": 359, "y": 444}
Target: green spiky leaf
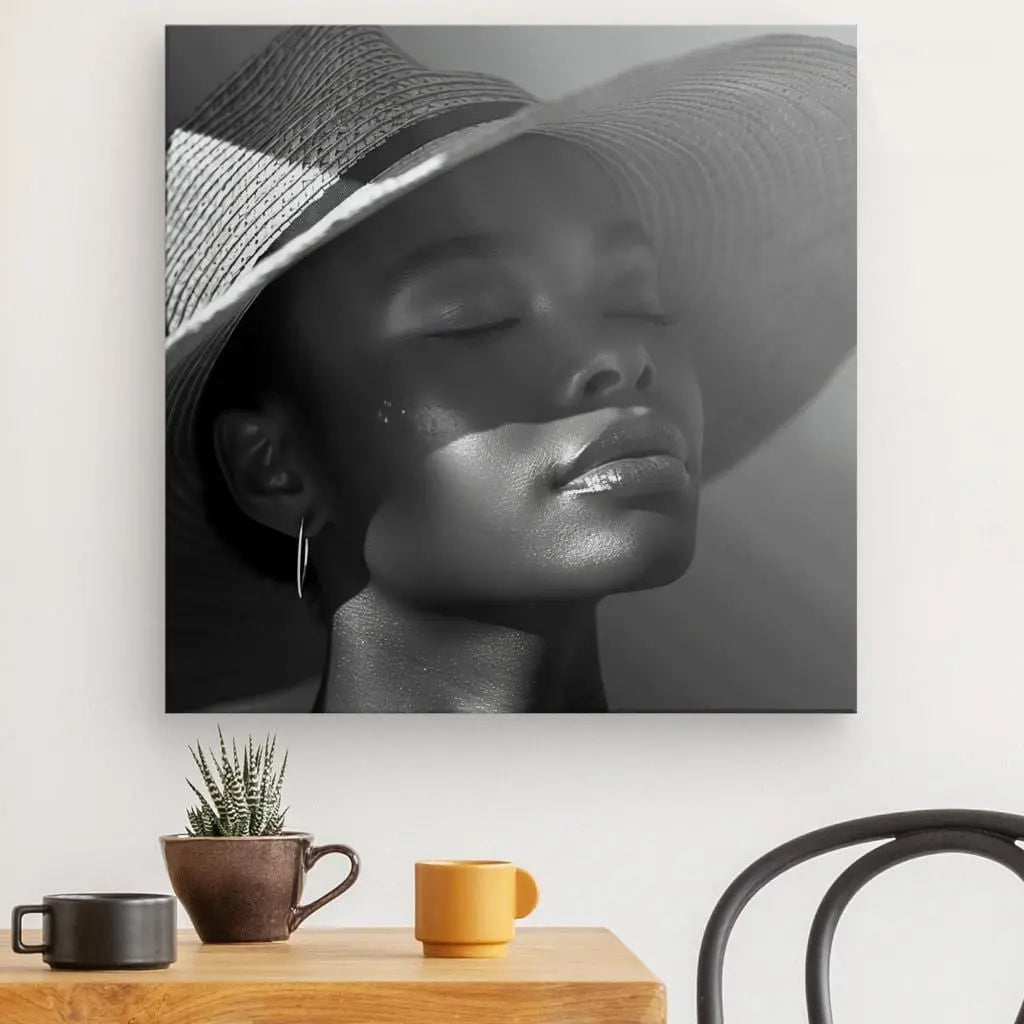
{"x": 243, "y": 789}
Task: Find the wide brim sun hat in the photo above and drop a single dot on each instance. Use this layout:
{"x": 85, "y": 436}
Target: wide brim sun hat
{"x": 741, "y": 160}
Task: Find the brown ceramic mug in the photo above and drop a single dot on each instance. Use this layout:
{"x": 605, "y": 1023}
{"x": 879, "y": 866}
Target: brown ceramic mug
{"x": 247, "y": 888}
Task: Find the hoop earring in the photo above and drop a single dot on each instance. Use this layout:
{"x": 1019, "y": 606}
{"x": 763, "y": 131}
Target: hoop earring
{"x": 301, "y": 557}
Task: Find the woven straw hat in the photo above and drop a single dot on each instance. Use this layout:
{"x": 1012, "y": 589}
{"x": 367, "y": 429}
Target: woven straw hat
{"x": 741, "y": 160}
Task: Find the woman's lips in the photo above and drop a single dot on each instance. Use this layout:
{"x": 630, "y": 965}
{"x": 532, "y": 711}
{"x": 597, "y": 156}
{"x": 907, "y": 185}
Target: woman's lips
{"x": 636, "y": 476}
{"x": 635, "y": 455}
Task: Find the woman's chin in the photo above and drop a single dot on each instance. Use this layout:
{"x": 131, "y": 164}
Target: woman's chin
{"x": 658, "y": 569}
{"x": 639, "y": 560}
{"x": 645, "y": 549}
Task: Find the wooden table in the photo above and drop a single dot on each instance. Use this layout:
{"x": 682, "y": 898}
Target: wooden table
{"x": 354, "y": 976}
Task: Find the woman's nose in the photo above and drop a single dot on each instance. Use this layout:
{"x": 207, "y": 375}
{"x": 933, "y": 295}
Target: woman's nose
{"x": 607, "y": 367}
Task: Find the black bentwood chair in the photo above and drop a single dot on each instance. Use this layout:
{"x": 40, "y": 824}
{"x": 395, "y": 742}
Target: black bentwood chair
{"x": 989, "y": 834}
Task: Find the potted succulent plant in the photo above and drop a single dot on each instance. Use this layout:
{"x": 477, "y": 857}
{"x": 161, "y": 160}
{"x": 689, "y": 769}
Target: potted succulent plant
{"x": 236, "y": 870}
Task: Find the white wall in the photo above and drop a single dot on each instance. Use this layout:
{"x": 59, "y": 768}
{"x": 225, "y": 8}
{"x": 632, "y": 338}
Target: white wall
{"x": 94, "y": 770}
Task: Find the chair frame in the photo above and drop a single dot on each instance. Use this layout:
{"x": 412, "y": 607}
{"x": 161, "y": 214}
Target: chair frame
{"x": 911, "y": 834}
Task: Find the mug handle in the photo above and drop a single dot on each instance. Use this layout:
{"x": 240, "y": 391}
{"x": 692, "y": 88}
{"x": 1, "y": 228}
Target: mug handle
{"x": 527, "y": 893}
{"x": 312, "y": 855}
{"x": 17, "y": 916}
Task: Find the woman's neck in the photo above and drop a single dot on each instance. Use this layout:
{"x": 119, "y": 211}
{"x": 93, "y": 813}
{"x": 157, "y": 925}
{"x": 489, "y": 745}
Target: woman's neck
{"x": 388, "y": 656}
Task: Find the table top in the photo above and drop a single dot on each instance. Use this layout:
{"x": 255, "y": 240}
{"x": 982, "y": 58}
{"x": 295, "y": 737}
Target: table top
{"x": 369, "y": 975}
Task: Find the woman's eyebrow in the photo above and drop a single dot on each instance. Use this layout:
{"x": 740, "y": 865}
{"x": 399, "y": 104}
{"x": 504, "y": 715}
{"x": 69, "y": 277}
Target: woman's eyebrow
{"x": 469, "y": 246}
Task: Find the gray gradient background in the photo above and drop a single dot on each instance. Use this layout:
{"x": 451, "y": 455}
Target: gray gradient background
{"x": 766, "y": 617}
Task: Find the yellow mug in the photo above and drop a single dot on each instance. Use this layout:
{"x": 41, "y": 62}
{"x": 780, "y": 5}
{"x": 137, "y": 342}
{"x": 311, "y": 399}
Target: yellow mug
{"x": 469, "y": 908}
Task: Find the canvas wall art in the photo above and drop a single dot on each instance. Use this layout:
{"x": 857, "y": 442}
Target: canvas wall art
{"x": 510, "y": 369}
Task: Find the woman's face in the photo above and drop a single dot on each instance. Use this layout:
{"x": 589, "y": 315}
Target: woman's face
{"x": 487, "y": 384}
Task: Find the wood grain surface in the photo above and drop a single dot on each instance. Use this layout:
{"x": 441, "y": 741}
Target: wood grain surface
{"x": 351, "y": 976}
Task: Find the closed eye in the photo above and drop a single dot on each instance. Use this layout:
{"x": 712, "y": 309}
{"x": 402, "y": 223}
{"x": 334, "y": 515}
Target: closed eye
{"x": 478, "y": 330}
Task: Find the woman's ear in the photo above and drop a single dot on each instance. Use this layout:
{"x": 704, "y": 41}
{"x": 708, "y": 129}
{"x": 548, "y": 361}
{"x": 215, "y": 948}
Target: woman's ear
{"x": 264, "y": 479}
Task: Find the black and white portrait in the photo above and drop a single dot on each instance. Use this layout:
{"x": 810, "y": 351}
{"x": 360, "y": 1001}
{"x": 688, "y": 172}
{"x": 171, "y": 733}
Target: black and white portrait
{"x": 510, "y": 369}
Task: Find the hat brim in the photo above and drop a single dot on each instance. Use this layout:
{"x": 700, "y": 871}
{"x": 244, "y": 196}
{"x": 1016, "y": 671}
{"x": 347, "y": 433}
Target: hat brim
{"x": 741, "y": 160}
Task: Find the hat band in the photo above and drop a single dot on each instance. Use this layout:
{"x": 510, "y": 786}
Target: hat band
{"x": 419, "y": 133}
{"x": 384, "y": 156}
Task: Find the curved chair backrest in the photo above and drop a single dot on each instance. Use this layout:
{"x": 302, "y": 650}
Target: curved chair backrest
{"x": 912, "y": 834}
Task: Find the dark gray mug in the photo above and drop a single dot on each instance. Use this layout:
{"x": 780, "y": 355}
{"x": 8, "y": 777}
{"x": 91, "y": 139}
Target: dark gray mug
{"x": 96, "y": 931}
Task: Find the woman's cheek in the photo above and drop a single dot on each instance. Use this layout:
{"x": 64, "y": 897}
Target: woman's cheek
{"x": 478, "y": 479}
{"x": 410, "y": 420}
{"x": 455, "y": 520}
